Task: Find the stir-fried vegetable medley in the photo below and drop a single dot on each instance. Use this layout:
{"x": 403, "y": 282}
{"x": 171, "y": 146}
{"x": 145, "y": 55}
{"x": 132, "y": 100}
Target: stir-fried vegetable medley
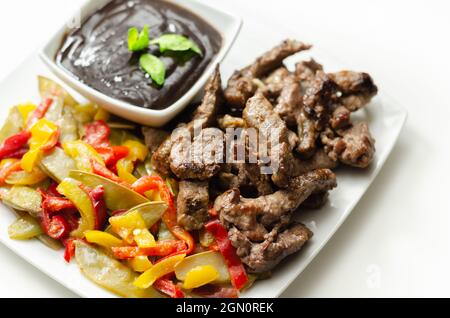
{"x": 80, "y": 178}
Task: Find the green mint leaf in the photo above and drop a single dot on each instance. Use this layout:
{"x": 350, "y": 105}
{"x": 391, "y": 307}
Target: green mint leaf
{"x": 176, "y": 42}
{"x": 138, "y": 41}
{"x": 154, "y": 67}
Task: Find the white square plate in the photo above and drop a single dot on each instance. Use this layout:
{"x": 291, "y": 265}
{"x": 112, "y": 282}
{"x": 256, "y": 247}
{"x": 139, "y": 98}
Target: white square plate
{"x": 386, "y": 120}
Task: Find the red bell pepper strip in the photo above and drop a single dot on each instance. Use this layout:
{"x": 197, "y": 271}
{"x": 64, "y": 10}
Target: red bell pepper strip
{"x": 148, "y": 183}
{"x": 8, "y": 169}
{"x": 11, "y": 145}
{"x": 166, "y": 286}
{"x": 99, "y": 205}
{"x": 237, "y": 271}
{"x": 51, "y": 190}
{"x": 52, "y": 204}
{"x": 97, "y": 134}
{"x": 57, "y": 228}
{"x": 111, "y": 155}
{"x": 39, "y": 112}
{"x": 69, "y": 252}
{"x": 163, "y": 248}
{"x": 104, "y": 172}
{"x": 18, "y": 154}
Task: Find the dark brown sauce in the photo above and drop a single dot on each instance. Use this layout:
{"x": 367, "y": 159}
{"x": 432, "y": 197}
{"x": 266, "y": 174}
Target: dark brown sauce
{"x": 97, "y": 53}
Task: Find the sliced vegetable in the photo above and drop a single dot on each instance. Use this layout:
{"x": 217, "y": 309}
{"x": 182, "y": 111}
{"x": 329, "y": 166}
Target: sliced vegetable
{"x": 24, "y": 228}
{"x": 103, "y": 239}
{"x": 146, "y": 184}
{"x": 109, "y": 273}
{"x": 57, "y": 164}
{"x": 125, "y": 170}
{"x": 71, "y": 189}
{"x": 8, "y": 166}
{"x": 140, "y": 264}
{"x": 151, "y": 212}
{"x": 160, "y": 269}
{"x": 117, "y": 197}
{"x": 13, "y": 124}
{"x": 82, "y": 153}
{"x": 39, "y": 112}
{"x": 200, "y": 276}
{"x": 104, "y": 172}
{"x": 13, "y": 144}
{"x": 26, "y": 178}
{"x": 124, "y": 225}
{"x": 24, "y": 199}
{"x": 214, "y": 259}
{"x": 236, "y": 269}
{"x": 161, "y": 249}
{"x": 143, "y": 238}
{"x": 69, "y": 128}
{"x": 48, "y": 241}
{"x": 55, "y": 111}
{"x": 168, "y": 287}
{"x": 97, "y": 134}
{"x": 48, "y": 87}
{"x": 44, "y": 137}
{"x": 25, "y": 110}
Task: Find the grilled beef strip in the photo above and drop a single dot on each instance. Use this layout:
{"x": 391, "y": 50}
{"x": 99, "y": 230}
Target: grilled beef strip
{"x": 154, "y": 137}
{"x": 192, "y": 204}
{"x": 260, "y": 228}
{"x": 278, "y": 244}
{"x": 354, "y": 146}
{"x": 306, "y": 72}
{"x": 357, "y": 89}
{"x": 205, "y": 116}
{"x": 252, "y": 216}
{"x": 242, "y": 86}
{"x": 201, "y": 159}
{"x": 259, "y": 114}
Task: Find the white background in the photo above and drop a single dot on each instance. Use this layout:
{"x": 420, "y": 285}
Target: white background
{"x": 397, "y": 241}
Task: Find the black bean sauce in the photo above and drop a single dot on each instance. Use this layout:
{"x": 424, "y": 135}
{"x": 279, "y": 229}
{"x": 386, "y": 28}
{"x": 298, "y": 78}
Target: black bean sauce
{"x": 97, "y": 53}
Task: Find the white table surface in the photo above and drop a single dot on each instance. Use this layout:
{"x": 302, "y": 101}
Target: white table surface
{"x": 397, "y": 241}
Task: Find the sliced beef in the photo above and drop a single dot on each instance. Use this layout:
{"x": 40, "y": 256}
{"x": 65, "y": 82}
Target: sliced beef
{"x": 290, "y": 101}
{"x": 306, "y": 72}
{"x": 154, "y": 137}
{"x": 357, "y": 89}
{"x": 254, "y": 216}
{"x": 242, "y": 86}
{"x": 341, "y": 118}
{"x": 315, "y": 201}
{"x": 192, "y": 204}
{"x": 278, "y": 244}
{"x": 354, "y": 146}
{"x": 274, "y": 83}
{"x": 205, "y": 116}
{"x": 259, "y": 114}
{"x": 199, "y": 160}
{"x": 307, "y": 134}
{"x": 320, "y": 160}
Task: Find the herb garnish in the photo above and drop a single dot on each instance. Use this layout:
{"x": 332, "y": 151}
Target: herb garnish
{"x": 170, "y": 44}
{"x": 154, "y": 67}
{"x": 138, "y": 41}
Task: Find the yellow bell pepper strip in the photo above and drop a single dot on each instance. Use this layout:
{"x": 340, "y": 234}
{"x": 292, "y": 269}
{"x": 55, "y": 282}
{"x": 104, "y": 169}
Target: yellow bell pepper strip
{"x": 83, "y": 154}
{"x": 237, "y": 271}
{"x": 131, "y": 227}
{"x": 166, "y": 286}
{"x": 15, "y": 143}
{"x": 25, "y": 110}
{"x": 125, "y": 224}
{"x": 162, "y": 249}
{"x": 200, "y": 276}
{"x": 25, "y": 178}
{"x": 143, "y": 238}
{"x": 140, "y": 264}
{"x": 138, "y": 151}
{"x": 44, "y": 137}
{"x": 125, "y": 170}
{"x": 149, "y": 183}
{"x": 8, "y": 166}
{"x": 160, "y": 269}
{"x": 125, "y": 167}
{"x": 102, "y": 114}
{"x": 39, "y": 112}
{"x": 103, "y": 239}
{"x": 71, "y": 189}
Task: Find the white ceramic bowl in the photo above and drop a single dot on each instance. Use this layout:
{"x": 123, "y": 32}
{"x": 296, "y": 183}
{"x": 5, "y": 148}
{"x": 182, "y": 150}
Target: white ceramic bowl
{"x": 227, "y": 24}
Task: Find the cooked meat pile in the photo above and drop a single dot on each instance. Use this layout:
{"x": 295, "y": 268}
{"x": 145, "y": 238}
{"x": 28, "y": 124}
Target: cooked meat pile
{"x": 310, "y": 113}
